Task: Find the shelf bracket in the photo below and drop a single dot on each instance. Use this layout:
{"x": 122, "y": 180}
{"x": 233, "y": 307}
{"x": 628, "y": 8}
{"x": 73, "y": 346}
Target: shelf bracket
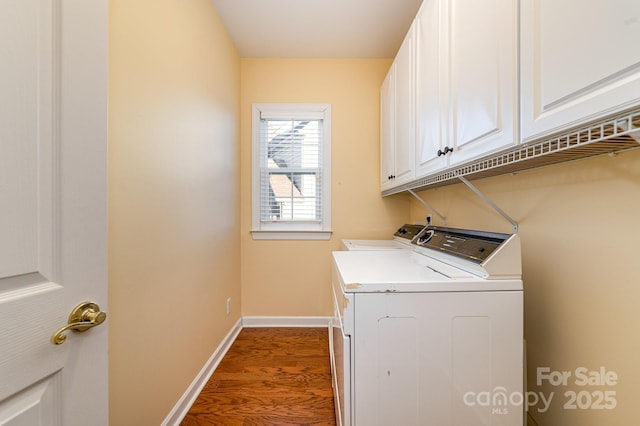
{"x": 429, "y": 206}
{"x": 479, "y": 193}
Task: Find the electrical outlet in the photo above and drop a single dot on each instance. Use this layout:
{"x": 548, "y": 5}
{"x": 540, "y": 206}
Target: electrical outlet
{"x": 228, "y": 306}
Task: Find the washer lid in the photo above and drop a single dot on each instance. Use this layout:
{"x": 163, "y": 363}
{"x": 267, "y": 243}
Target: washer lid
{"x": 401, "y": 240}
{"x": 375, "y": 245}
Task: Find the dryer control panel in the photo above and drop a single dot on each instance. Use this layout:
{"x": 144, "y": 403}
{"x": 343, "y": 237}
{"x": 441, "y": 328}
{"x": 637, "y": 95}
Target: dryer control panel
{"x": 475, "y": 246}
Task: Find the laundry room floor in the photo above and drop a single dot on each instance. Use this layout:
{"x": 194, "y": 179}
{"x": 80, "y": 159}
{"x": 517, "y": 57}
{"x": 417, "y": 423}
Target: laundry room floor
{"x": 269, "y": 376}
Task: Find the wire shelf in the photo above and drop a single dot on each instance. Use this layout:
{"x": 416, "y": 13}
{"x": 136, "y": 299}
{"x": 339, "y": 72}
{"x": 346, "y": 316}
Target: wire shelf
{"x": 608, "y": 136}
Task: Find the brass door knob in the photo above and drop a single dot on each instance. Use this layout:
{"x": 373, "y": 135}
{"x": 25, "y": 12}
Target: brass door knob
{"x": 83, "y": 317}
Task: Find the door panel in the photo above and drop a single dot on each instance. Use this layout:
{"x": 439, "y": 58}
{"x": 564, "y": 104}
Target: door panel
{"x": 430, "y": 90}
{"x": 27, "y": 354}
{"x": 25, "y": 134}
{"x": 387, "y": 128}
{"x": 405, "y": 112}
{"x": 484, "y": 79}
{"x": 37, "y": 405}
{"x": 475, "y": 69}
{"x": 572, "y": 74}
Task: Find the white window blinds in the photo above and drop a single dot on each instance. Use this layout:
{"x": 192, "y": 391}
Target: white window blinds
{"x": 291, "y": 168}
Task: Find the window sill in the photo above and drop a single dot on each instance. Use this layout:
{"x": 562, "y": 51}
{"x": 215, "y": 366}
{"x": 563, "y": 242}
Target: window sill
{"x": 291, "y": 235}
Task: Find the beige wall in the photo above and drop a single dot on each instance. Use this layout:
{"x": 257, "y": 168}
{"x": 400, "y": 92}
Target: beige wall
{"x": 293, "y": 277}
{"x": 580, "y": 235}
{"x": 174, "y": 254}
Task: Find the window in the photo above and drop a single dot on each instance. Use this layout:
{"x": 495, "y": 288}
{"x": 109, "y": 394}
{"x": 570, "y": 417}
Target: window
{"x": 291, "y": 171}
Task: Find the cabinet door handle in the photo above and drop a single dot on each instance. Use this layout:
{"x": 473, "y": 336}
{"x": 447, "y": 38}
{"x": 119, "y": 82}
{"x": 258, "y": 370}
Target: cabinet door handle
{"x": 445, "y": 152}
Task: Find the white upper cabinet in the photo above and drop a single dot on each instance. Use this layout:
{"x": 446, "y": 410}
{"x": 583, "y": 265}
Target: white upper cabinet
{"x": 467, "y": 81}
{"x": 579, "y": 62}
{"x": 397, "y": 118}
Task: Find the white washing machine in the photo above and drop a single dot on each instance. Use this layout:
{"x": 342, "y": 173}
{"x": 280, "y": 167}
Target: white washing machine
{"x": 430, "y": 336}
{"x": 401, "y": 240}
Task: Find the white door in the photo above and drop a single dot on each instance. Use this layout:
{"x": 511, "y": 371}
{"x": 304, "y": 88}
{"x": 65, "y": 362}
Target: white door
{"x": 53, "y": 121}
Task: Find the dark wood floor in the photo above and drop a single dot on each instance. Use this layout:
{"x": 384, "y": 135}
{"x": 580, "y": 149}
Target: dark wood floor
{"x": 270, "y": 376}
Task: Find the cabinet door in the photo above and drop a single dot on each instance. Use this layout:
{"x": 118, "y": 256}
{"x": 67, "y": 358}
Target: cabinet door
{"x": 430, "y": 90}
{"x": 405, "y": 111}
{"x": 387, "y": 129}
{"x": 578, "y": 63}
{"x": 483, "y": 76}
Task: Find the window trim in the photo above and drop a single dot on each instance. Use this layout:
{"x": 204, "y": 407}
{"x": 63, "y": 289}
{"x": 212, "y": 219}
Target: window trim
{"x": 291, "y": 230}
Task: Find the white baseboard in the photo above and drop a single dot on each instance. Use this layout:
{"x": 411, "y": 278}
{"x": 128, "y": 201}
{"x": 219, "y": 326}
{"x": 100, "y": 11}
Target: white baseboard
{"x": 264, "y": 321}
{"x": 184, "y": 404}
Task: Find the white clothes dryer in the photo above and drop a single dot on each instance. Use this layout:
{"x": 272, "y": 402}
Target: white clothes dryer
{"x": 430, "y": 336}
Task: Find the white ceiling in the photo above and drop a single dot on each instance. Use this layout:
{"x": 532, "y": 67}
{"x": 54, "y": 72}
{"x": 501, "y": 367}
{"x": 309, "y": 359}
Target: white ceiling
{"x": 317, "y": 28}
